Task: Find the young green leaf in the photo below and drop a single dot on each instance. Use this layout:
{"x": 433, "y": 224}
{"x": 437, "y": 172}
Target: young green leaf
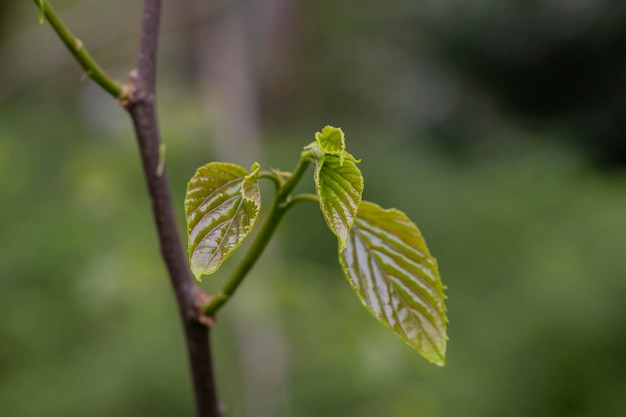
{"x": 331, "y": 141}
{"x": 339, "y": 187}
{"x": 338, "y": 181}
{"x": 388, "y": 265}
{"x": 222, "y": 206}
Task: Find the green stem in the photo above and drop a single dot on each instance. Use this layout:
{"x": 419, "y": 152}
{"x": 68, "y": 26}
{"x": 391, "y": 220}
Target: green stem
{"x": 279, "y": 208}
{"x": 271, "y": 176}
{"x": 300, "y": 198}
{"x": 84, "y": 58}
{"x": 306, "y": 158}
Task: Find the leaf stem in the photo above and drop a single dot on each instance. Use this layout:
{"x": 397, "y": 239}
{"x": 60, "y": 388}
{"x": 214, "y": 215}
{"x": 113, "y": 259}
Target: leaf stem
{"x": 279, "y": 208}
{"x": 82, "y": 55}
{"x": 300, "y": 198}
{"x": 306, "y": 158}
{"x": 271, "y": 176}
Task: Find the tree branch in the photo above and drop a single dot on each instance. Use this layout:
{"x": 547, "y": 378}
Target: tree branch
{"x": 141, "y": 106}
{"x": 82, "y": 55}
{"x": 138, "y": 97}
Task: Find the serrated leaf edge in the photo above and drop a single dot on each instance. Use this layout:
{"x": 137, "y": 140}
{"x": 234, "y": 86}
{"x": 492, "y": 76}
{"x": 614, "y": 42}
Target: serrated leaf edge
{"x": 248, "y": 182}
{"x": 440, "y": 358}
{"x": 320, "y": 164}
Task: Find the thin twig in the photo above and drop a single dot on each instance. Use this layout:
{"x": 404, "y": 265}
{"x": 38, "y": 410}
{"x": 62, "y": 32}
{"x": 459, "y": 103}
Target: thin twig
{"x": 301, "y": 198}
{"x": 92, "y": 69}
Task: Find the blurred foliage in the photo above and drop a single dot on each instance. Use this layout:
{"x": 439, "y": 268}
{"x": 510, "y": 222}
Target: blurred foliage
{"x": 453, "y": 72}
{"x": 529, "y": 244}
{"x": 555, "y": 63}
{"x": 529, "y": 237}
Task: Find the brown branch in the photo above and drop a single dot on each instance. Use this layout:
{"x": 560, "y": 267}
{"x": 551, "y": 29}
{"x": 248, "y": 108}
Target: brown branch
{"x": 141, "y": 106}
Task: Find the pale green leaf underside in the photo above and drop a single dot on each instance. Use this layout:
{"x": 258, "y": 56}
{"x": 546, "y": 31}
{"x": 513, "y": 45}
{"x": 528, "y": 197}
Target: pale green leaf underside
{"x": 339, "y": 188}
{"x": 388, "y": 265}
{"x": 222, "y": 206}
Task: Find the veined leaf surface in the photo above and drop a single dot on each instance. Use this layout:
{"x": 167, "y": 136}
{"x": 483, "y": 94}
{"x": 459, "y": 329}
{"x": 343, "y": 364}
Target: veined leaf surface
{"x": 339, "y": 186}
{"x": 388, "y": 265}
{"x": 222, "y": 206}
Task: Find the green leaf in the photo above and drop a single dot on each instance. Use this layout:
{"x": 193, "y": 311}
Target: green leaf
{"x": 339, "y": 186}
{"x": 222, "y": 206}
{"x": 332, "y": 141}
{"x": 388, "y": 265}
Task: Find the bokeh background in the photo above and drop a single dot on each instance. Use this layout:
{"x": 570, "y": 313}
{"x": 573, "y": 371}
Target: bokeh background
{"x": 499, "y": 127}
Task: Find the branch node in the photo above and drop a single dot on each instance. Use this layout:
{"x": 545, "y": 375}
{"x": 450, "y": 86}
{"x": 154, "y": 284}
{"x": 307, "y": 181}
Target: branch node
{"x": 85, "y": 76}
{"x": 200, "y": 299}
{"x": 208, "y": 321}
{"x": 129, "y": 89}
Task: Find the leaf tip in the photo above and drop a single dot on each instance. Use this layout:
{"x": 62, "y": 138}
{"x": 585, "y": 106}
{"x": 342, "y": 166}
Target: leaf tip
{"x": 441, "y": 362}
{"x": 254, "y": 168}
{"x": 196, "y": 272}
{"x": 439, "y": 359}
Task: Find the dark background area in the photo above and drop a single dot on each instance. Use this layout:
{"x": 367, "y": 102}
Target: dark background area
{"x": 498, "y": 127}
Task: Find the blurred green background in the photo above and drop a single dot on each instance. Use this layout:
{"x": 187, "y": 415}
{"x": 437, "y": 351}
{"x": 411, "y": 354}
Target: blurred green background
{"x": 499, "y": 127}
